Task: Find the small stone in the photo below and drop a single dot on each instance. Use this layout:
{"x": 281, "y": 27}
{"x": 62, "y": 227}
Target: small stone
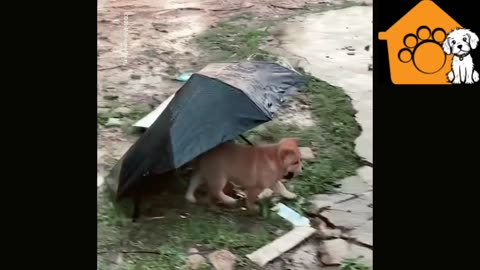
{"x": 333, "y": 251}
{"x": 192, "y": 251}
{"x": 103, "y": 110}
{"x": 222, "y": 259}
{"x": 306, "y": 153}
{"x": 110, "y": 97}
{"x": 350, "y": 48}
{"x": 367, "y": 48}
{"x": 113, "y": 122}
{"x": 325, "y": 232}
{"x": 351, "y": 53}
{"x": 122, "y": 110}
{"x": 135, "y": 77}
{"x": 370, "y": 67}
{"x": 354, "y": 185}
{"x": 195, "y": 261}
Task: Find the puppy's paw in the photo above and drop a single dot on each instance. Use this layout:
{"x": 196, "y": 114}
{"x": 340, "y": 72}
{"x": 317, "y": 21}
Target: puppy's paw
{"x": 190, "y": 198}
{"x": 450, "y": 76}
{"x": 229, "y": 200}
{"x": 475, "y": 76}
{"x": 456, "y": 81}
{"x": 266, "y": 193}
{"x": 469, "y": 81}
{"x": 289, "y": 195}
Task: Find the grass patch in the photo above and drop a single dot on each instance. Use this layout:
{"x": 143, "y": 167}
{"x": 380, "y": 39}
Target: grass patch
{"x": 129, "y": 117}
{"x": 353, "y": 264}
{"x": 231, "y": 40}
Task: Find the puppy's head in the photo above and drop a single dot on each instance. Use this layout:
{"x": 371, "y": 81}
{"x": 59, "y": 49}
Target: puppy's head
{"x": 290, "y": 156}
{"x": 460, "y": 42}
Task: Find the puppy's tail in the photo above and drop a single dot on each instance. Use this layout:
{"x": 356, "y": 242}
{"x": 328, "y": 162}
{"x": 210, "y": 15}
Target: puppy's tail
{"x": 475, "y": 76}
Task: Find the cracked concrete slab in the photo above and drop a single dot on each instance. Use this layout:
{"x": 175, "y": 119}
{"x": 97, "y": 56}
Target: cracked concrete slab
{"x": 354, "y": 185}
{"x": 322, "y": 201}
{"x": 364, "y": 233}
{"x": 366, "y": 173}
{"x": 347, "y": 220}
{"x": 355, "y": 206}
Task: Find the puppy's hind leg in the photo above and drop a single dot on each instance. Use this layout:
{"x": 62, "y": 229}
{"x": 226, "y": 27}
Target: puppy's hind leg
{"x": 216, "y": 186}
{"x": 469, "y": 76}
{"x": 195, "y": 182}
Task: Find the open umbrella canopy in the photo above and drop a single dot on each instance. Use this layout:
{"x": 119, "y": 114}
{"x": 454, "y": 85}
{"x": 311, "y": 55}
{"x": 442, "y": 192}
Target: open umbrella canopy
{"x": 217, "y": 104}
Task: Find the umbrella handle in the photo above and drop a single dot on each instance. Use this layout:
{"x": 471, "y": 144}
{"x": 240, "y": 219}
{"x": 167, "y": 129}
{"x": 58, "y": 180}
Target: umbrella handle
{"x": 246, "y": 140}
{"x": 137, "y": 200}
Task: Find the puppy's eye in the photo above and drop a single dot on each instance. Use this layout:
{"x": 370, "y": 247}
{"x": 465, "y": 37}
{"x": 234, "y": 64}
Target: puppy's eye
{"x": 453, "y": 42}
{"x": 465, "y": 39}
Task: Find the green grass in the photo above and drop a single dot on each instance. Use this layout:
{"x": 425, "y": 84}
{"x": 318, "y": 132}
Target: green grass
{"x": 353, "y": 264}
{"x": 332, "y": 138}
{"x": 230, "y": 41}
{"x": 136, "y": 113}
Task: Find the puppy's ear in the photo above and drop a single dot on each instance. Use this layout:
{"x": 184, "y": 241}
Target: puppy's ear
{"x": 473, "y": 39}
{"x": 446, "y": 47}
{"x": 290, "y": 141}
{"x": 286, "y": 154}
{"x": 296, "y": 140}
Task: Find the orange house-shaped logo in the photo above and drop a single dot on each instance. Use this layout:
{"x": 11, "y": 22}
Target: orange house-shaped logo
{"x": 414, "y": 44}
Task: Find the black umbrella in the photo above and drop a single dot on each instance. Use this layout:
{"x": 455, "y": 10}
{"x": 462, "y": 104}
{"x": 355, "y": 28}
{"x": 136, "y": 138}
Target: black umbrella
{"x": 217, "y": 104}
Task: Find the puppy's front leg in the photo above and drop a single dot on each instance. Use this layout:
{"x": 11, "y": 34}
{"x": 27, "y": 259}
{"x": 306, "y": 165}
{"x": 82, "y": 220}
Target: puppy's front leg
{"x": 456, "y": 73}
{"x": 469, "y": 75}
{"x": 280, "y": 189}
{"x": 216, "y": 186}
{"x": 252, "y": 195}
{"x": 195, "y": 182}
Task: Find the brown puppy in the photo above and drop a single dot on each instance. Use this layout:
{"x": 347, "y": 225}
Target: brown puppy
{"x": 254, "y": 168}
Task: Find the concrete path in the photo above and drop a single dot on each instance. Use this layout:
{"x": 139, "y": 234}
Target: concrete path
{"x": 337, "y": 46}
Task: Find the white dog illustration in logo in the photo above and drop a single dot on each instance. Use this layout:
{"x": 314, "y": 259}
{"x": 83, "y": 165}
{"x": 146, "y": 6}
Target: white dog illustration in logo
{"x": 460, "y": 42}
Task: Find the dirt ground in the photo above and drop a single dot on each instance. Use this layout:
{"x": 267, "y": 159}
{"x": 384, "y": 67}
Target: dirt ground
{"x": 144, "y": 44}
